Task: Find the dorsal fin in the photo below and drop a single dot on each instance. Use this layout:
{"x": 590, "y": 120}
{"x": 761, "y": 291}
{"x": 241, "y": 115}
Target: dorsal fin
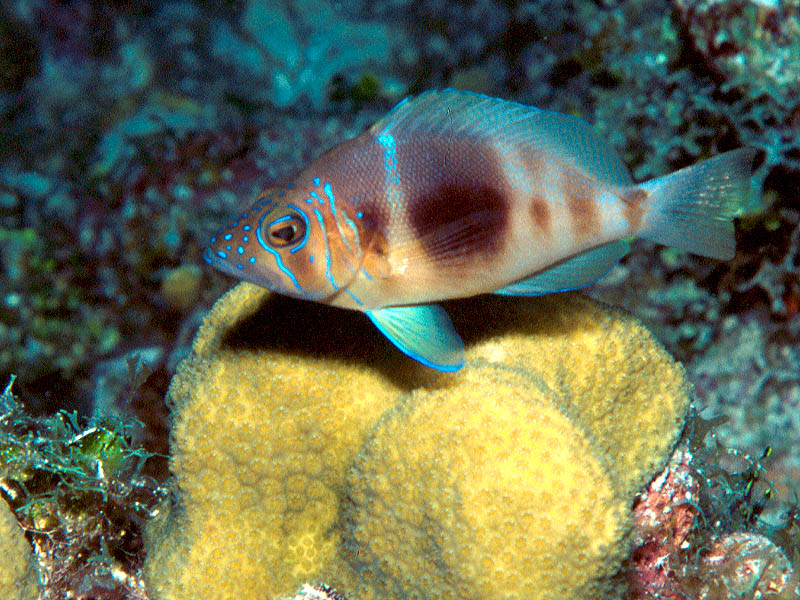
{"x": 552, "y": 135}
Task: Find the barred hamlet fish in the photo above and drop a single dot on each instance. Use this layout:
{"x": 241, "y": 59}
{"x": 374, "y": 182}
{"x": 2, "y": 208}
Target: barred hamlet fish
{"x": 453, "y": 194}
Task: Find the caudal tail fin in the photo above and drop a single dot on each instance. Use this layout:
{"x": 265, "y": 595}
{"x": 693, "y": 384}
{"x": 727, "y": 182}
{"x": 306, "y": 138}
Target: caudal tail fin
{"x": 693, "y": 209}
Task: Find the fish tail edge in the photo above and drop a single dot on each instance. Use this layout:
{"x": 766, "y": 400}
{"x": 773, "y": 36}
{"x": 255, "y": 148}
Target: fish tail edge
{"x": 693, "y": 208}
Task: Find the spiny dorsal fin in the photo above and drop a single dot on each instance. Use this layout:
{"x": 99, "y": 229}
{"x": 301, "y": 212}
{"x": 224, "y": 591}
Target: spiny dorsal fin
{"x": 552, "y": 135}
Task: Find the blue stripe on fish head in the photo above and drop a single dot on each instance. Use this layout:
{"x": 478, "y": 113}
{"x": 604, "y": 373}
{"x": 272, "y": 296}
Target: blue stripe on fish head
{"x": 274, "y": 244}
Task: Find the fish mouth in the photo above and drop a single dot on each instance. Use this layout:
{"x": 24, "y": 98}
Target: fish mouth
{"x": 265, "y": 280}
{"x": 225, "y": 266}
{"x": 221, "y": 264}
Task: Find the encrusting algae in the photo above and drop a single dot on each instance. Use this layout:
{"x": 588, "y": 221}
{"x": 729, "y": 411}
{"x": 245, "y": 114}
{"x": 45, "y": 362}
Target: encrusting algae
{"x": 301, "y": 458}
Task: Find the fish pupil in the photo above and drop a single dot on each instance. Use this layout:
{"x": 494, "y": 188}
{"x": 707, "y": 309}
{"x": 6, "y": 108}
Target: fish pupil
{"x": 284, "y": 234}
{"x": 287, "y": 230}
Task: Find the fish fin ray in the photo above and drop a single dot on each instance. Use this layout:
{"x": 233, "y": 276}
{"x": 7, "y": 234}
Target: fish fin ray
{"x": 693, "y": 209}
{"x": 577, "y": 272}
{"x": 424, "y": 332}
{"x": 531, "y": 130}
{"x": 448, "y": 244}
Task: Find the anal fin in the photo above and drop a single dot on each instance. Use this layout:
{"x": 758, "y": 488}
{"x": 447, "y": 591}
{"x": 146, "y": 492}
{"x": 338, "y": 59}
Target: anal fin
{"x": 577, "y": 272}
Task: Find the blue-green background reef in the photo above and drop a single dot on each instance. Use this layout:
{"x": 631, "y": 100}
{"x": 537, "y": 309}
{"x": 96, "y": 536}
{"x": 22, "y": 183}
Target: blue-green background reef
{"x": 130, "y": 130}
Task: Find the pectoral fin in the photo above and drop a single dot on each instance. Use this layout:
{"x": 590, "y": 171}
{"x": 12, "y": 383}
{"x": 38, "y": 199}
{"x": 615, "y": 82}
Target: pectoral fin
{"x": 424, "y": 332}
{"x": 575, "y": 273}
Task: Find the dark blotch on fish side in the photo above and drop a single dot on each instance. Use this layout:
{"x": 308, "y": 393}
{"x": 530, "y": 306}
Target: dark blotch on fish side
{"x": 583, "y": 211}
{"x": 540, "y": 212}
{"x": 479, "y": 212}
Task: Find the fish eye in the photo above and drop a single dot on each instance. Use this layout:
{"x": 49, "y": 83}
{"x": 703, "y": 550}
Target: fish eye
{"x": 288, "y": 228}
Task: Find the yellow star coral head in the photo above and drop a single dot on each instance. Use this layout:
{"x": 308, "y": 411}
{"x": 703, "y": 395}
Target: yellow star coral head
{"x": 299, "y": 457}
{"x": 611, "y": 375}
{"x": 264, "y": 431}
{"x": 18, "y": 577}
{"x": 484, "y": 489}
